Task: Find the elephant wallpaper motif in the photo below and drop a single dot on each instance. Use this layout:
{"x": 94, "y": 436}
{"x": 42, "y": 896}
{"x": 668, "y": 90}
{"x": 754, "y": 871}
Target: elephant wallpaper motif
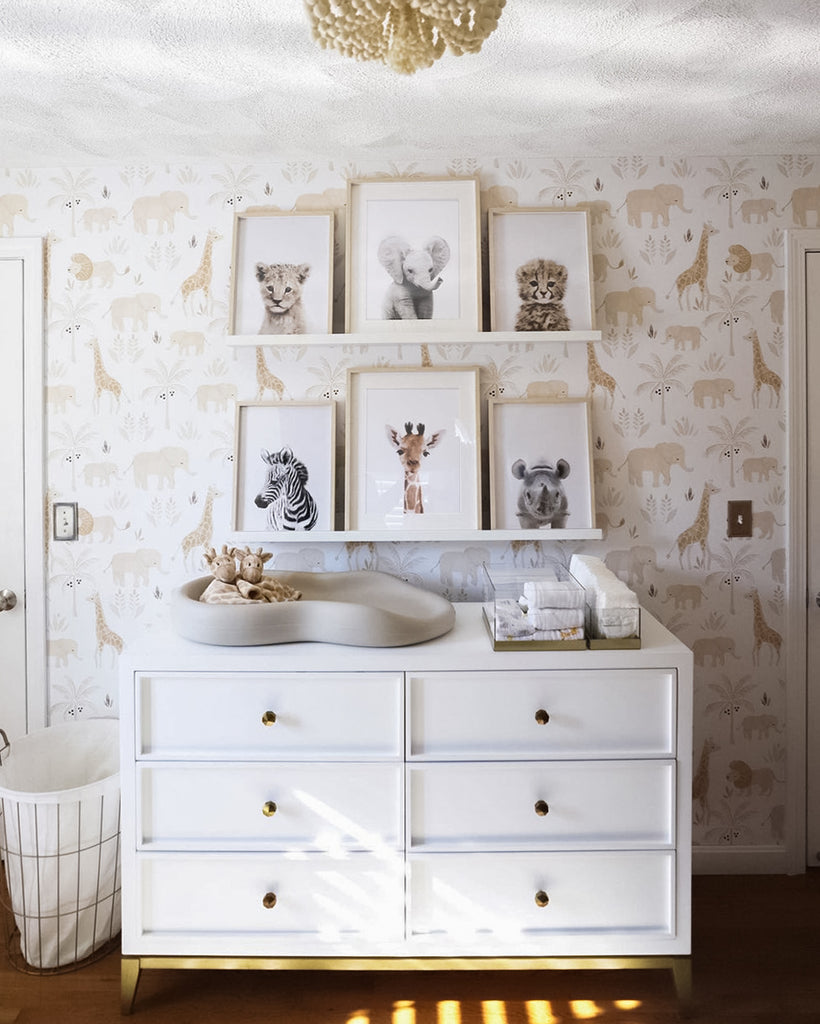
{"x": 688, "y": 411}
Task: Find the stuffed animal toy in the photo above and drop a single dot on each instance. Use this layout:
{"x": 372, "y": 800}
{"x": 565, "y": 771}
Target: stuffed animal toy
{"x": 252, "y": 572}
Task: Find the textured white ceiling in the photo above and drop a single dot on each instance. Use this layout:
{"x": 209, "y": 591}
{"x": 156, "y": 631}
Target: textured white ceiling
{"x": 90, "y": 81}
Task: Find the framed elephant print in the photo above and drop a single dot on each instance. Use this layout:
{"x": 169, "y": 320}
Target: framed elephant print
{"x": 540, "y": 270}
{"x": 412, "y": 456}
{"x": 540, "y": 464}
{"x": 284, "y": 462}
{"x": 413, "y": 256}
{"x": 282, "y": 273}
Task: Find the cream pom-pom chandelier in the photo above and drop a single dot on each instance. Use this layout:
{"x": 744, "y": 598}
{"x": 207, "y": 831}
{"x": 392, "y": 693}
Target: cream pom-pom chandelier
{"x": 407, "y": 35}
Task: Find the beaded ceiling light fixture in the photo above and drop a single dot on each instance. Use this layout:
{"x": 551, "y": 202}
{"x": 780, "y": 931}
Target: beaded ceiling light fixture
{"x": 407, "y": 35}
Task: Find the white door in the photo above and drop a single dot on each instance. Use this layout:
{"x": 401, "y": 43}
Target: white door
{"x": 803, "y": 653}
{"x": 813, "y": 660}
{"x": 22, "y": 585}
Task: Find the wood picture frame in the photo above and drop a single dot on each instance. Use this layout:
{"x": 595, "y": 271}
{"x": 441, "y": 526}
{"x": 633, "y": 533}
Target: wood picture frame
{"x": 265, "y": 433}
{"x": 412, "y": 450}
{"x": 413, "y": 256}
{"x": 298, "y": 245}
{"x": 528, "y": 438}
{"x": 517, "y": 237}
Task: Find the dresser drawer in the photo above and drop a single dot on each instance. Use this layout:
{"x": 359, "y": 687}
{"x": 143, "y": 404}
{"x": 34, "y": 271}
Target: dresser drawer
{"x": 288, "y": 716}
{"x": 529, "y": 715}
{"x": 514, "y": 898}
{"x": 541, "y": 805}
{"x": 275, "y": 806}
{"x": 246, "y": 894}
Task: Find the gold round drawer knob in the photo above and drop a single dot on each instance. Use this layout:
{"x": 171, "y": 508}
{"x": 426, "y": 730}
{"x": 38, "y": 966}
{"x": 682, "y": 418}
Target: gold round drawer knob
{"x": 269, "y": 718}
{"x": 269, "y": 900}
{"x": 541, "y": 898}
{"x": 542, "y": 716}
{"x": 541, "y": 808}
{"x": 269, "y": 808}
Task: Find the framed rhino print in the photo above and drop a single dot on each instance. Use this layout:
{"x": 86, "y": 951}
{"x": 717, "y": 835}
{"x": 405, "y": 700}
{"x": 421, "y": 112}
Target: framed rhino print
{"x": 413, "y": 256}
{"x": 540, "y": 464}
{"x": 282, "y": 273}
{"x": 540, "y": 270}
{"x": 412, "y": 449}
{"x": 284, "y": 462}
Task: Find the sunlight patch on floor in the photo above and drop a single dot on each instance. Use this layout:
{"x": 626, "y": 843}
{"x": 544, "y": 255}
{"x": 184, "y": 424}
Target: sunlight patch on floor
{"x": 539, "y": 1011}
{"x": 448, "y": 1011}
{"x": 585, "y": 1009}
{"x": 494, "y": 1011}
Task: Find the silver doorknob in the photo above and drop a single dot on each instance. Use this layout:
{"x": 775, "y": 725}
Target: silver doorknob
{"x": 817, "y": 598}
{"x": 8, "y": 599}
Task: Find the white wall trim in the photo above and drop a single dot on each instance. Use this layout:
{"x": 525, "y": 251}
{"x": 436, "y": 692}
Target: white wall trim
{"x": 798, "y": 242}
{"x": 742, "y": 860}
{"x": 30, "y": 252}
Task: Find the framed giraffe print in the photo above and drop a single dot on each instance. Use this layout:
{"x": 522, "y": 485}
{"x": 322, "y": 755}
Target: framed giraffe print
{"x": 413, "y": 256}
{"x": 540, "y": 464}
{"x": 284, "y": 462}
{"x": 412, "y": 450}
{"x": 540, "y": 270}
{"x": 282, "y": 273}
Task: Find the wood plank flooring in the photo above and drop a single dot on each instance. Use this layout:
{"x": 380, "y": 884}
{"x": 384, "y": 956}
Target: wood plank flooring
{"x": 756, "y": 960}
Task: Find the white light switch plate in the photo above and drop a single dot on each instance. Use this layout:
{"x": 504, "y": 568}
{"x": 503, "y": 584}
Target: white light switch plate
{"x": 65, "y": 520}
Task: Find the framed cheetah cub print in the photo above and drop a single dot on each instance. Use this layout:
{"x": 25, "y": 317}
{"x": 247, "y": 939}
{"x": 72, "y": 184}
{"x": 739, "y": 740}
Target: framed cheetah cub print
{"x": 282, "y": 273}
{"x": 540, "y": 270}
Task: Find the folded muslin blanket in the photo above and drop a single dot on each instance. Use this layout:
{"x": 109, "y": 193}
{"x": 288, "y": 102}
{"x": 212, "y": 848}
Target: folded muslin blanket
{"x": 242, "y": 592}
{"x": 556, "y": 618}
{"x": 510, "y": 621}
{"x": 574, "y": 633}
{"x": 553, "y": 594}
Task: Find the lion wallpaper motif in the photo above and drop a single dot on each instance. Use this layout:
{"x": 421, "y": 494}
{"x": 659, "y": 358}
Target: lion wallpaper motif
{"x": 688, "y": 411}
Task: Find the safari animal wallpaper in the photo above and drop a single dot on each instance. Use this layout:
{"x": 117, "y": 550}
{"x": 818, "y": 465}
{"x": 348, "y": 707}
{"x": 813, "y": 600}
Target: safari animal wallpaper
{"x": 687, "y": 388}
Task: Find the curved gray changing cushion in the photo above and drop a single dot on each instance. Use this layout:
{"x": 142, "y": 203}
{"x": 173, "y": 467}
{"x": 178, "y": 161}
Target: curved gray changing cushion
{"x": 363, "y": 609}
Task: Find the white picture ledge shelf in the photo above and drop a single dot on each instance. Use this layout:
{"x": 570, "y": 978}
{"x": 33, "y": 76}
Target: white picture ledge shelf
{"x": 403, "y": 536}
{"x": 392, "y": 336}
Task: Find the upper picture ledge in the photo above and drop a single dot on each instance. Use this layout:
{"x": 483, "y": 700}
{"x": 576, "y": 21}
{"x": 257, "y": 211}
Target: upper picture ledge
{"x": 400, "y": 337}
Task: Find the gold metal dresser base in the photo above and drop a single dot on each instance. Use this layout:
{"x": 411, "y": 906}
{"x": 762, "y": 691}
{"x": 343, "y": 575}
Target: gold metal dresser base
{"x": 132, "y": 966}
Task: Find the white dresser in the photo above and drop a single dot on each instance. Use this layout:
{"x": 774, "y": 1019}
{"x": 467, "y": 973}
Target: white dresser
{"x": 318, "y": 806}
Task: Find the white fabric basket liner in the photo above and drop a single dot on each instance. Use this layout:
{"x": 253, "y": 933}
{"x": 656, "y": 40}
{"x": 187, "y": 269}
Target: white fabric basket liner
{"x": 60, "y": 839}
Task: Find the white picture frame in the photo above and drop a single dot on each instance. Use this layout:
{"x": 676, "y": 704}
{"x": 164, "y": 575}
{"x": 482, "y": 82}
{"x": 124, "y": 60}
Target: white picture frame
{"x": 539, "y": 432}
{"x": 444, "y": 401}
{"x": 308, "y": 430}
{"x": 300, "y": 238}
{"x": 517, "y": 235}
{"x": 420, "y": 213}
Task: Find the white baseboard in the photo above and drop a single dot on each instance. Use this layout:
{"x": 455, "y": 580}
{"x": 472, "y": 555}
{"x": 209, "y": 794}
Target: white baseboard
{"x": 740, "y": 860}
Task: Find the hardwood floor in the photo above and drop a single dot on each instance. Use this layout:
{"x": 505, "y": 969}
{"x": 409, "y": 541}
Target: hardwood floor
{"x": 756, "y": 960}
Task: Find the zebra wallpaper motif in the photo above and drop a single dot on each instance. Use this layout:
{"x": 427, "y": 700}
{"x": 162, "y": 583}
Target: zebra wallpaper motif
{"x": 688, "y": 393}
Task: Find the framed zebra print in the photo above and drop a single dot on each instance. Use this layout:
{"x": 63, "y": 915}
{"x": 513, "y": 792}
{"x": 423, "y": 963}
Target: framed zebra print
{"x": 412, "y": 456}
{"x": 284, "y": 462}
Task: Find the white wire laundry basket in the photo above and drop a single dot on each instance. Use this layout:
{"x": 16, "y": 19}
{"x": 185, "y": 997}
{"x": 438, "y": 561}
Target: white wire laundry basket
{"x": 60, "y": 845}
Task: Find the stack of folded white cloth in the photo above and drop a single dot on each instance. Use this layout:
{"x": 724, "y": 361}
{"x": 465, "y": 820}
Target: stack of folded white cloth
{"x": 555, "y": 609}
{"x": 614, "y": 608}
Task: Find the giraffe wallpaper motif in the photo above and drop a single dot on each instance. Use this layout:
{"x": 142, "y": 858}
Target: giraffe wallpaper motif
{"x": 686, "y": 389}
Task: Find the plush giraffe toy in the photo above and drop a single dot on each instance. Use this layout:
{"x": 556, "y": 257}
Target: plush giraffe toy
{"x": 252, "y": 571}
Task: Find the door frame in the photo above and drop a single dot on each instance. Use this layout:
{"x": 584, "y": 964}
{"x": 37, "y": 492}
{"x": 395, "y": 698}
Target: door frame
{"x": 798, "y": 243}
{"x": 30, "y": 252}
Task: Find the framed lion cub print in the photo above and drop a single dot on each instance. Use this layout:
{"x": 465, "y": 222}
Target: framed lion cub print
{"x": 282, "y": 273}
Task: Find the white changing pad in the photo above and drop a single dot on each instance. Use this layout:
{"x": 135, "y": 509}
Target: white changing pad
{"x": 361, "y": 609}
